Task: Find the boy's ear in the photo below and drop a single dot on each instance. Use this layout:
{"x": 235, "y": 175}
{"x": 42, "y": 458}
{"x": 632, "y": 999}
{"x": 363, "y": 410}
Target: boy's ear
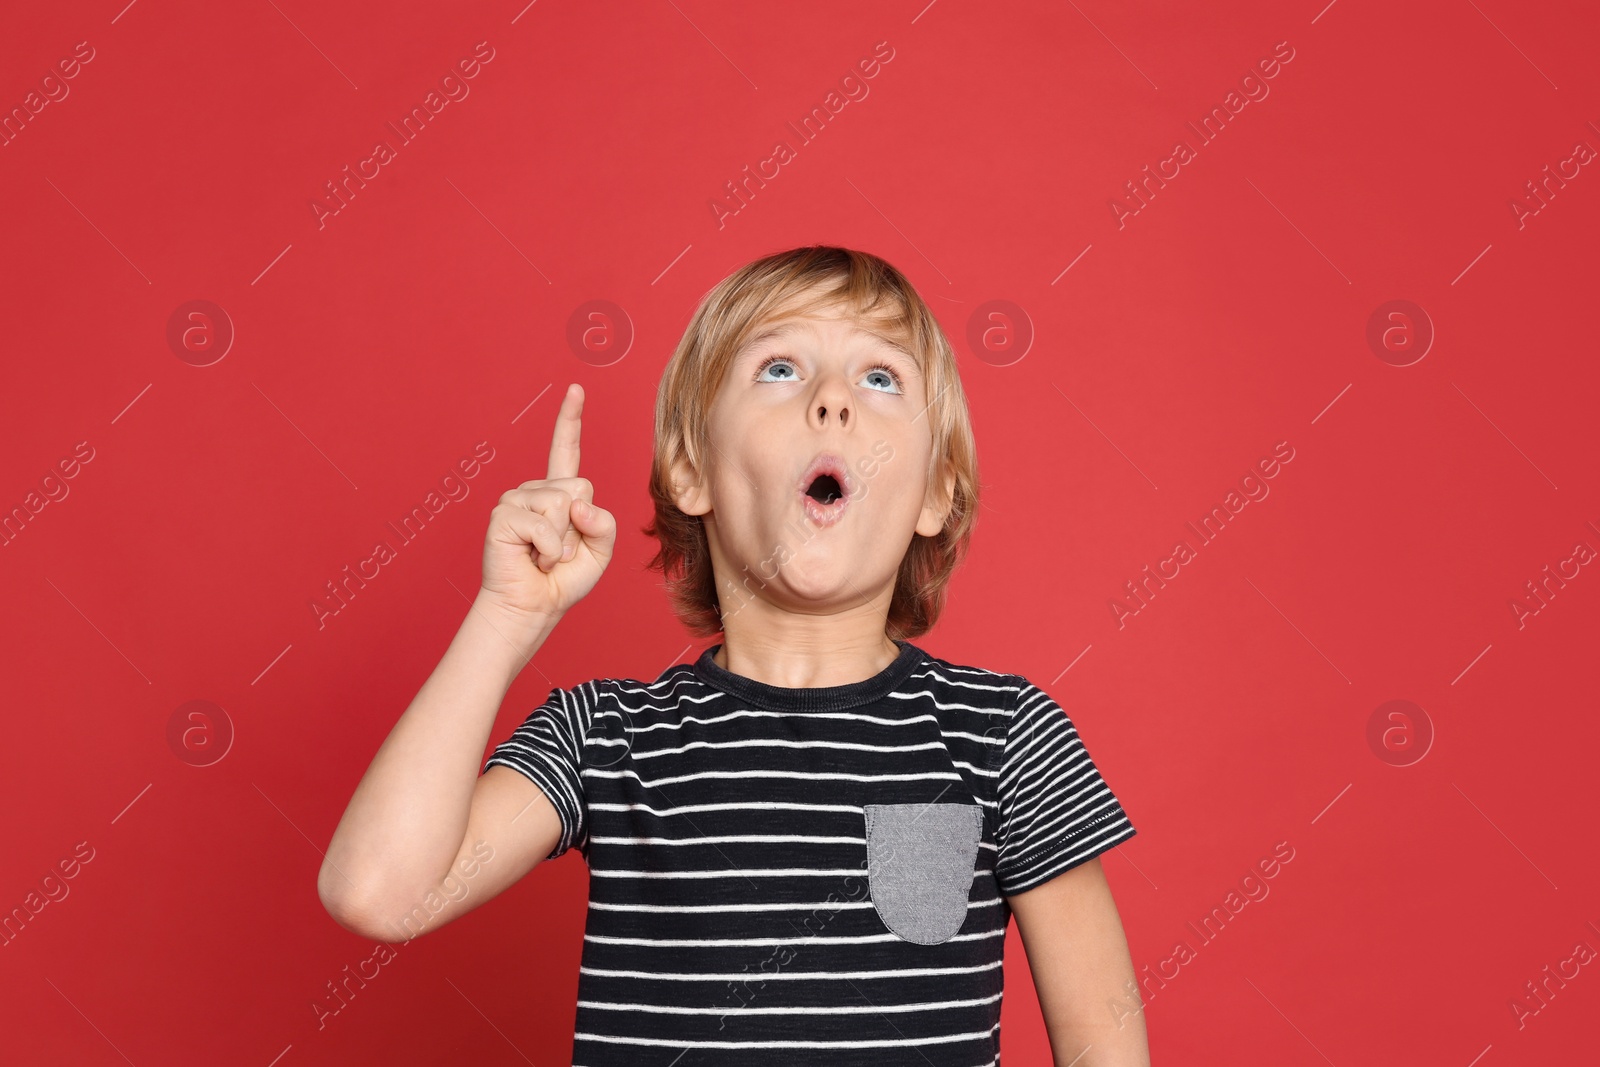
{"x": 688, "y": 488}
{"x": 937, "y": 506}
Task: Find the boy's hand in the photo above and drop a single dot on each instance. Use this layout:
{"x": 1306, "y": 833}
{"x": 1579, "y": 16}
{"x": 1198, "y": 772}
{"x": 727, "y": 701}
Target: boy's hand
{"x": 547, "y": 543}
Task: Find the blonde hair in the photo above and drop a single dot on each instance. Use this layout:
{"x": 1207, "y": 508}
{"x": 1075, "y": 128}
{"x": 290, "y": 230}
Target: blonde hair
{"x": 775, "y": 286}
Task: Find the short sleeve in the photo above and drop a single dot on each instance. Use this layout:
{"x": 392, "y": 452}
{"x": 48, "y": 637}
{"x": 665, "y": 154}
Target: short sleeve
{"x": 548, "y": 748}
{"x": 1056, "y": 811}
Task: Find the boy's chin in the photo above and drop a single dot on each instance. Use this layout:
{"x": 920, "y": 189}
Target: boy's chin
{"x": 823, "y": 581}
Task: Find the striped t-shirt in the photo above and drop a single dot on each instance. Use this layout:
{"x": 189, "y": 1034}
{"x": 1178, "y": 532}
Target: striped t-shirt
{"x": 807, "y": 876}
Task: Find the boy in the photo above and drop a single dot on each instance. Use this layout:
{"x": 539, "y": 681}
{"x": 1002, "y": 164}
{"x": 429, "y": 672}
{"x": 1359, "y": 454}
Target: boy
{"x": 805, "y": 845}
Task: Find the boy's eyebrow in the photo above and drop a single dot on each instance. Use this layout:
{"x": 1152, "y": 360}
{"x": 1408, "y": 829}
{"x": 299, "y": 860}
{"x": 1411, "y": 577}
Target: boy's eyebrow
{"x": 784, "y": 329}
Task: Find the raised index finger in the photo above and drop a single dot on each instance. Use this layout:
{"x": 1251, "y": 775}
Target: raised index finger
{"x": 564, "y": 443}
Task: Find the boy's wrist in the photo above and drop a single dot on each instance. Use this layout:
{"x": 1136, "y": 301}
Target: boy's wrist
{"x": 520, "y": 632}
{"x": 501, "y": 639}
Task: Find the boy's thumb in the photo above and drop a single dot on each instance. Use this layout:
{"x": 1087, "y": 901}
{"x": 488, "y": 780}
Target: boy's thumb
{"x": 592, "y": 524}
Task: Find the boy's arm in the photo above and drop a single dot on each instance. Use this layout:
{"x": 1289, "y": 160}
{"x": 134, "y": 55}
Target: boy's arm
{"x": 423, "y": 828}
{"x": 426, "y": 838}
{"x": 1082, "y": 971}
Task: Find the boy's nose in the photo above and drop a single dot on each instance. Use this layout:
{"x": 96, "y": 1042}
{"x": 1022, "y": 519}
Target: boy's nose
{"x": 832, "y": 397}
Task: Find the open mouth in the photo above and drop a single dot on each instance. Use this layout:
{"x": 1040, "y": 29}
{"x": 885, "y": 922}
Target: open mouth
{"x": 825, "y": 489}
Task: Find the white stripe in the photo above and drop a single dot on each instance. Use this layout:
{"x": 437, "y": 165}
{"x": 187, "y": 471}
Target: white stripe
{"x": 809, "y": 775}
{"x": 986, "y": 740}
{"x": 754, "y": 805}
{"x": 843, "y": 939}
{"x": 753, "y": 872}
{"x": 867, "y": 1009}
{"x": 941, "y": 672}
{"x": 780, "y": 976}
{"x": 775, "y": 742}
{"x": 755, "y": 713}
{"x": 727, "y": 839}
{"x": 898, "y": 1042}
{"x": 817, "y": 905}
{"x": 919, "y": 694}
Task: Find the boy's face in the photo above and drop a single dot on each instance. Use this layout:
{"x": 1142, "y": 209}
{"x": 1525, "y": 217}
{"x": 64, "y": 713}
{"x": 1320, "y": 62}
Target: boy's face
{"x": 802, "y": 388}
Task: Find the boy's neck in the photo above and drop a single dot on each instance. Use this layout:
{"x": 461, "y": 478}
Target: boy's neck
{"x": 828, "y": 651}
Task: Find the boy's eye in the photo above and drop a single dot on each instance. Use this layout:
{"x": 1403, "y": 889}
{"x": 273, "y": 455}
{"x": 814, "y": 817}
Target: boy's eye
{"x": 783, "y": 363}
{"x": 880, "y": 377}
{"x": 885, "y": 377}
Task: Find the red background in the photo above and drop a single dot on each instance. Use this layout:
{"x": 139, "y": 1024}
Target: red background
{"x": 374, "y": 351}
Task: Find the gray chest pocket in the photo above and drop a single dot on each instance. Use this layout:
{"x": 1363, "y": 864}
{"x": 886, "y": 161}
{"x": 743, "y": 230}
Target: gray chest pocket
{"x": 920, "y": 862}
